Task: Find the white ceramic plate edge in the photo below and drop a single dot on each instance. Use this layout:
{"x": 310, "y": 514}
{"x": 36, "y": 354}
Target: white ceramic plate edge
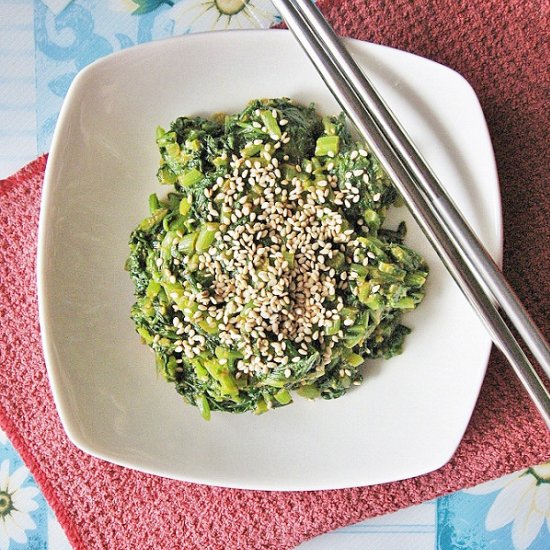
{"x": 49, "y": 345}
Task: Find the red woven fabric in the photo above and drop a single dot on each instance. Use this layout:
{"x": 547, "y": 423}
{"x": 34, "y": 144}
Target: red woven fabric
{"x": 502, "y": 49}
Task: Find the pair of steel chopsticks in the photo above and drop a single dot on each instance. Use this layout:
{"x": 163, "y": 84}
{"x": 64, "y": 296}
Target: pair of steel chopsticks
{"x": 464, "y": 256}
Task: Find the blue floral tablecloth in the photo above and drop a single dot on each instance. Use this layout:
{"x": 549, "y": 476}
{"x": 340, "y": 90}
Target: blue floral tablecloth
{"x": 43, "y": 44}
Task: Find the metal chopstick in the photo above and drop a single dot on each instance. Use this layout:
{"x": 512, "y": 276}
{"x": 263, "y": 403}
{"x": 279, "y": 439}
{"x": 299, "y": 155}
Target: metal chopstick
{"x": 429, "y": 207}
{"x": 469, "y": 244}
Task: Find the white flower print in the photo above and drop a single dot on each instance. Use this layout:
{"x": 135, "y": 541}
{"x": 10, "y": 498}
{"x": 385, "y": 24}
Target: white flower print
{"x": 124, "y": 5}
{"x": 3, "y": 437}
{"x": 524, "y": 501}
{"x": 16, "y": 503}
{"x": 202, "y": 15}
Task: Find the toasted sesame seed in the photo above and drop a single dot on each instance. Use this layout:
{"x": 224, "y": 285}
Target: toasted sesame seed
{"x": 249, "y": 263}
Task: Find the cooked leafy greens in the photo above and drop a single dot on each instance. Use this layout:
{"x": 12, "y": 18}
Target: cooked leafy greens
{"x": 267, "y": 269}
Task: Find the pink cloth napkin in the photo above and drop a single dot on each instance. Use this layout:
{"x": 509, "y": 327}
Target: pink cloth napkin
{"x": 499, "y": 47}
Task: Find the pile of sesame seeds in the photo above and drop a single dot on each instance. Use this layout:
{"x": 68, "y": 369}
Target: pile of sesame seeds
{"x": 273, "y": 263}
{"x": 268, "y": 269}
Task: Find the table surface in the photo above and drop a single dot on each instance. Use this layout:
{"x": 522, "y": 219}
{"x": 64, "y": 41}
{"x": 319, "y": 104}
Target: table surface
{"x": 43, "y": 44}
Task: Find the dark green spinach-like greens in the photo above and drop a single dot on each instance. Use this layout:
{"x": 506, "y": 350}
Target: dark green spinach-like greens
{"x": 267, "y": 268}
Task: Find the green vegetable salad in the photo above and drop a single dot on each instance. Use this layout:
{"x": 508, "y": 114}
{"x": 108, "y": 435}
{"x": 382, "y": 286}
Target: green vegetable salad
{"x": 266, "y": 271}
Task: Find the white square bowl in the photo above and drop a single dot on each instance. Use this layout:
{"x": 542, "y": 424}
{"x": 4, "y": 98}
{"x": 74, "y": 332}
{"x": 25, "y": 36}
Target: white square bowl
{"x": 409, "y": 415}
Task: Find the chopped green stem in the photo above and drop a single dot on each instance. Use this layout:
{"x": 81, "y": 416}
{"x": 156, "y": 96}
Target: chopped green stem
{"x": 268, "y": 270}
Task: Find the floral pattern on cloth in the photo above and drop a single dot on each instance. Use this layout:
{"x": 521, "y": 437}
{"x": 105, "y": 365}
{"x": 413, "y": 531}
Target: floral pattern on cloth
{"x": 26, "y": 520}
{"x": 68, "y": 40}
{"x": 16, "y": 503}
{"x": 523, "y": 501}
{"x": 24, "y": 514}
{"x": 511, "y": 512}
{"x": 200, "y": 15}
